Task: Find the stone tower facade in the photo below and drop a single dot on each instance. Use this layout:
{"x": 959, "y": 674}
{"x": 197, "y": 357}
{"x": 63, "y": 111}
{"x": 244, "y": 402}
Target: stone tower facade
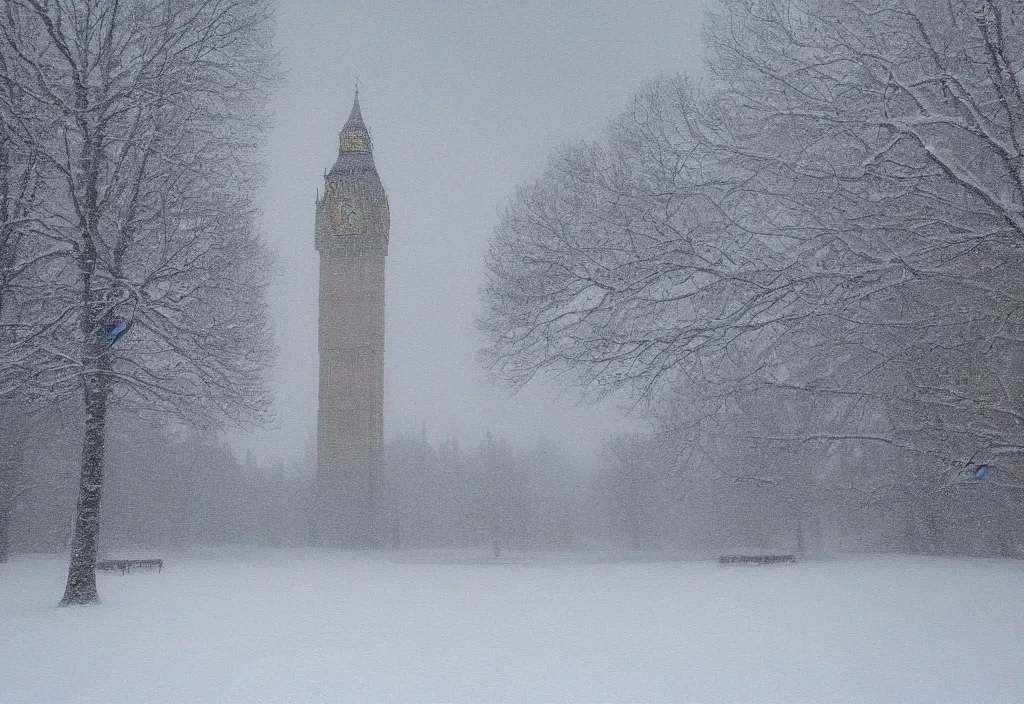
{"x": 352, "y": 225}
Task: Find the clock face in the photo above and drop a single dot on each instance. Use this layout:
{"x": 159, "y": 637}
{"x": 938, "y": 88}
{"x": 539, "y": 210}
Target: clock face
{"x": 346, "y": 219}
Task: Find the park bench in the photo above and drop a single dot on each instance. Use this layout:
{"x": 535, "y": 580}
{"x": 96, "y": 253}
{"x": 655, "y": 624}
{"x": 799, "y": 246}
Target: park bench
{"x": 755, "y": 559}
{"x": 127, "y": 565}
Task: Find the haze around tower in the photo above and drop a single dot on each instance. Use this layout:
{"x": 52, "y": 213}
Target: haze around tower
{"x": 464, "y": 103}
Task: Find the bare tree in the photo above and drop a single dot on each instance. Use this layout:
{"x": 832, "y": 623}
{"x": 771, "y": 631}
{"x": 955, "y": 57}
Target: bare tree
{"x": 847, "y": 182}
{"x": 145, "y": 120}
{"x": 815, "y": 250}
{"x": 621, "y": 264}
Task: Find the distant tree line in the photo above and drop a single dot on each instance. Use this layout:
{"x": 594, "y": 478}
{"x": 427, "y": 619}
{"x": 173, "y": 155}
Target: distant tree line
{"x": 170, "y": 487}
{"x": 489, "y": 496}
{"x": 166, "y": 485}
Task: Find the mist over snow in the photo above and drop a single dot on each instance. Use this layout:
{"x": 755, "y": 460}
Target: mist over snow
{"x": 276, "y": 627}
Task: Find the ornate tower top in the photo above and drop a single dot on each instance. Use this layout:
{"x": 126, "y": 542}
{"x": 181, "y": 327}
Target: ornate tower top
{"x": 353, "y": 214}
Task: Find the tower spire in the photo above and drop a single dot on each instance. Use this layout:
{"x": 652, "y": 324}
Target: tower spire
{"x": 355, "y": 118}
{"x": 354, "y": 135}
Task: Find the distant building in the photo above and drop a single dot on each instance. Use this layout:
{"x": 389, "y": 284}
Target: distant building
{"x": 352, "y": 224}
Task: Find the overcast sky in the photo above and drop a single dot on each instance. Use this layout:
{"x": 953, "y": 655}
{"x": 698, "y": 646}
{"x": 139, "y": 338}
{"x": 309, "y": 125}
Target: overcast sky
{"x": 464, "y": 102}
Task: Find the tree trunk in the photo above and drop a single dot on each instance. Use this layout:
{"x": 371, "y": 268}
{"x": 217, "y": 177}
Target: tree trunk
{"x": 5, "y": 533}
{"x": 635, "y": 520}
{"x": 801, "y": 545}
{"x": 81, "y": 586}
{"x": 10, "y": 458}
{"x": 496, "y": 534}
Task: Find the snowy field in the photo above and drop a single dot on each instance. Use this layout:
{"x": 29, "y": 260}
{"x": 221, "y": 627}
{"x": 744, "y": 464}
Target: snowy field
{"x": 336, "y": 627}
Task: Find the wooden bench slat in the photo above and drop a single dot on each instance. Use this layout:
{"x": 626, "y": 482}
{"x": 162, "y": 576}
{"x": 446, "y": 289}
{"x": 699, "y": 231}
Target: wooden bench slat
{"x": 127, "y": 565}
{"x": 756, "y": 559}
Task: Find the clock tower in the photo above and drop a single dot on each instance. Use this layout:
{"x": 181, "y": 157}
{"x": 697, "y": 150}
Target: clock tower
{"x": 352, "y": 224}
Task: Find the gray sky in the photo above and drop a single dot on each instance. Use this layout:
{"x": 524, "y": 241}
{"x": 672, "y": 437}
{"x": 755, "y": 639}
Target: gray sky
{"x": 464, "y": 102}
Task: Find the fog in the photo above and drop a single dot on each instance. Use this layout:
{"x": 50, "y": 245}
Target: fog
{"x": 584, "y": 198}
{"x": 464, "y": 102}
{"x": 753, "y": 268}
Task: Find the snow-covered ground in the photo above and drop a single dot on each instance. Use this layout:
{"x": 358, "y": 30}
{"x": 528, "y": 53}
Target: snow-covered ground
{"x": 336, "y": 627}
